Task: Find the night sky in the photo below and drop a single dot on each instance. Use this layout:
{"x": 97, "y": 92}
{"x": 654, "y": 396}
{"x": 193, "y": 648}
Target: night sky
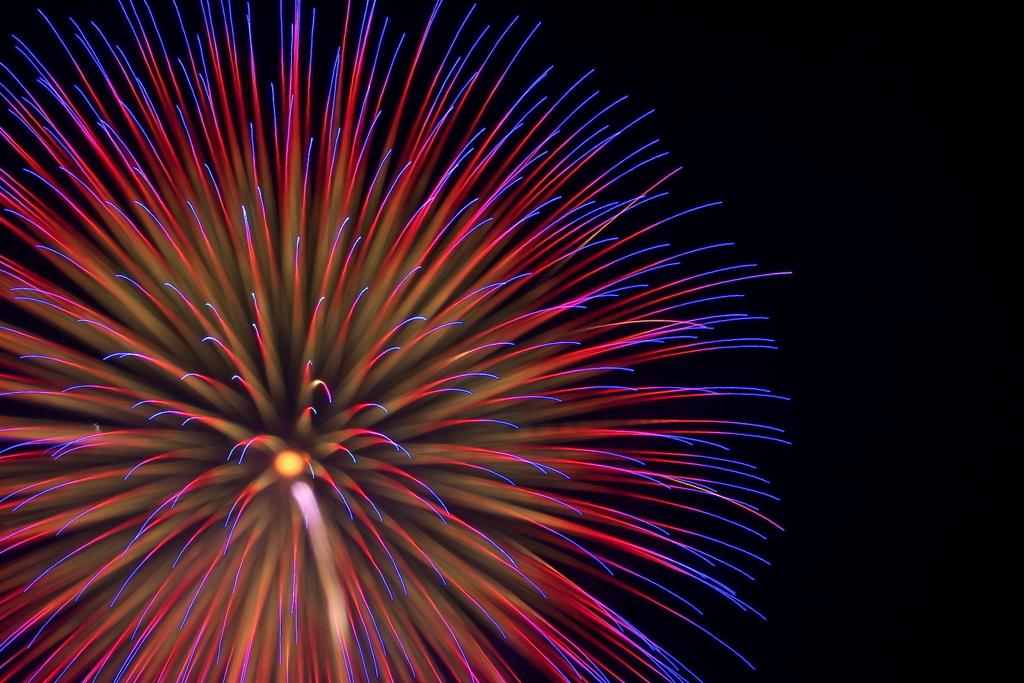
{"x": 868, "y": 151}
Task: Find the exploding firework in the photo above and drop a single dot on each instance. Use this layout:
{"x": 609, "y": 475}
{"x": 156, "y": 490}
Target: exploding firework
{"x": 326, "y": 376}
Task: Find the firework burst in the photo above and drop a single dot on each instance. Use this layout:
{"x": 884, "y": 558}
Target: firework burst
{"x": 326, "y": 377}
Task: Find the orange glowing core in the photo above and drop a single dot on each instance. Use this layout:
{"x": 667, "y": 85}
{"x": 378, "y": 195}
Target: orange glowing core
{"x": 289, "y": 463}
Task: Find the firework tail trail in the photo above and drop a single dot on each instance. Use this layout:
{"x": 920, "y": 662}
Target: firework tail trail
{"x": 431, "y": 307}
{"x": 324, "y": 553}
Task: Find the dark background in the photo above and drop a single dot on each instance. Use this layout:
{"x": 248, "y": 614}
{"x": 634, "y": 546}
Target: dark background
{"x": 868, "y": 150}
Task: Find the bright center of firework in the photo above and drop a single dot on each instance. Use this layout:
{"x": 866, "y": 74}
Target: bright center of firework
{"x": 289, "y": 463}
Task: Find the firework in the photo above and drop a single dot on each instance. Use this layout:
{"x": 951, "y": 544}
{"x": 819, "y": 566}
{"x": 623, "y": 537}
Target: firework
{"x": 326, "y": 376}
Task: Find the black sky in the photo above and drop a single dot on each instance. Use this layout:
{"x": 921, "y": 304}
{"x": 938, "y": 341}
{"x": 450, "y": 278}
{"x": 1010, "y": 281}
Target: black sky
{"x": 867, "y": 149}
